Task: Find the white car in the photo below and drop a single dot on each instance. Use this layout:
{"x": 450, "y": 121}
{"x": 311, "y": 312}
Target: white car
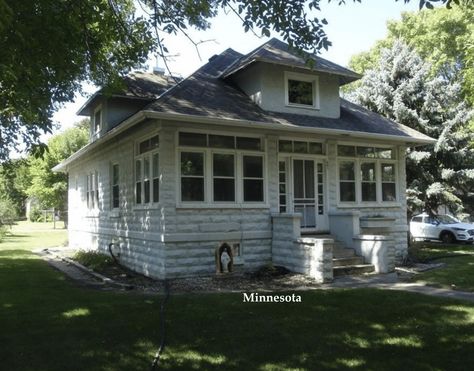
{"x": 440, "y": 227}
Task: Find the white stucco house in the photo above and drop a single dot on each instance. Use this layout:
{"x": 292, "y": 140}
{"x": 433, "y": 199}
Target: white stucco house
{"x": 256, "y": 155}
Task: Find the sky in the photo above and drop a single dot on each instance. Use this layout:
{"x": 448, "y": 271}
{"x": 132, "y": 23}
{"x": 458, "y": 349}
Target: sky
{"x": 352, "y": 28}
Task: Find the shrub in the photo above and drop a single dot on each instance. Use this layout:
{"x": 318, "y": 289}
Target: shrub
{"x": 93, "y": 259}
{"x": 3, "y": 232}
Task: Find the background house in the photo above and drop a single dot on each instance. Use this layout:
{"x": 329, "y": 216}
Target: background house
{"x": 257, "y": 152}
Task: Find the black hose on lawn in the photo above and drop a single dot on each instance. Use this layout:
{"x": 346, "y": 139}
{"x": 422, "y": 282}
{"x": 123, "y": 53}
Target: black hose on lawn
{"x": 162, "y": 327}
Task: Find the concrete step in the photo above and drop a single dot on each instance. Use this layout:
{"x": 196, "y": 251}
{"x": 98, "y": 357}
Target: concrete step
{"x": 342, "y": 253}
{"x": 353, "y": 269}
{"x": 341, "y": 262}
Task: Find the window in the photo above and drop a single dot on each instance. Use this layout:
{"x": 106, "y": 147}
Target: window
{"x": 97, "y": 121}
{"x": 223, "y": 166}
{"x": 417, "y": 219}
{"x": 301, "y": 90}
{"x": 388, "y": 182}
{"x": 347, "y": 181}
{"x": 147, "y": 172}
{"x": 369, "y": 184}
{"x": 290, "y": 146}
{"x": 375, "y": 170}
{"x": 282, "y": 185}
{"x": 253, "y": 178}
{"x": 92, "y": 190}
{"x": 115, "y": 186}
{"x": 220, "y": 168}
{"x": 192, "y": 176}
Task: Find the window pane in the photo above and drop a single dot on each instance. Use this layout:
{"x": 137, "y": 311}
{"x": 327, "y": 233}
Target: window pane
{"x": 300, "y": 92}
{"x": 346, "y": 171}
{"x": 223, "y": 165}
{"x": 156, "y": 165}
{"x": 97, "y": 121}
{"x": 282, "y": 166}
{"x": 367, "y": 171}
{"x": 138, "y": 170}
{"x": 253, "y": 190}
{"x": 115, "y": 196}
{"x": 298, "y": 179}
{"x": 115, "y": 174}
{"x": 369, "y": 192}
{"x": 347, "y": 191}
{"x": 285, "y": 146}
{"x": 309, "y": 179}
{"x": 192, "y": 139}
{"x": 388, "y": 192}
{"x": 388, "y": 172}
{"x": 249, "y": 143}
{"x": 365, "y": 152}
{"x": 221, "y": 141}
{"x": 146, "y": 186}
{"x": 300, "y": 147}
{"x": 224, "y": 190}
{"x": 316, "y": 148}
{"x": 348, "y": 151}
{"x": 384, "y": 152}
{"x": 148, "y": 145}
{"x": 146, "y": 168}
{"x": 253, "y": 166}
{"x": 192, "y": 163}
{"x": 192, "y": 189}
{"x": 138, "y": 192}
{"x": 156, "y": 190}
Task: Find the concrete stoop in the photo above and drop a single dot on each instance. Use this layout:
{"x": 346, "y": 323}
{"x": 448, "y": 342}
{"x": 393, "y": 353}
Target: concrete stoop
{"x": 345, "y": 261}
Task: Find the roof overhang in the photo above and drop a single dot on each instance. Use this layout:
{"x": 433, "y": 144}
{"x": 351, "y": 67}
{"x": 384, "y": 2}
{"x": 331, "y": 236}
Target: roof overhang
{"x": 345, "y": 78}
{"x": 179, "y": 117}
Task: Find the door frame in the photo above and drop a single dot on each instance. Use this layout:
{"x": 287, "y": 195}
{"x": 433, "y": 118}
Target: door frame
{"x": 322, "y": 221}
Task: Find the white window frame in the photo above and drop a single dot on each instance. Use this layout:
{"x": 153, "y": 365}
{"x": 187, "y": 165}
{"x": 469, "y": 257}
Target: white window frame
{"x": 149, "y": 155}
{"x": 378, "y": 176}
{"x": 113, "y": 185}
{"x": 220, "y": 152}
{"x": 314, "y": 79}
{"x": 95, "y": 133}
{"x": 208, "y": 172}
{"x": 92, "y": 190}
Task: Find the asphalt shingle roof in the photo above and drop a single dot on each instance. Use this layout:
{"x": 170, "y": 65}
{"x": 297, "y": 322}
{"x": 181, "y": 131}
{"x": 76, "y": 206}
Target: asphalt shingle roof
{"x": 207, "y": 94}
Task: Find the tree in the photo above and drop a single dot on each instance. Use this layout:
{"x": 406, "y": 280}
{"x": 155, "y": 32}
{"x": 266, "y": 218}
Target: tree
{"x": 443, "y": 37}
{"x": 402, "y": 88}
{"x": 50, "y": 188}
{"x": 14, "y": 181}
{"x": 48, "y": 47}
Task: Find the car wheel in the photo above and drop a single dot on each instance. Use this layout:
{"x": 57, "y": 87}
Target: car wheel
{"x": 448, "y": 237}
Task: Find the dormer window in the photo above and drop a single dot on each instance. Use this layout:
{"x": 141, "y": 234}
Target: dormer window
{"x": 301, "y": 90}
{"x": 97, "y": 124}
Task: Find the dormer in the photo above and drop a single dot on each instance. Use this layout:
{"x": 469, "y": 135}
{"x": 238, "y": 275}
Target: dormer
{"x": 278, "y": 79}
{"x": 107, "y": 109}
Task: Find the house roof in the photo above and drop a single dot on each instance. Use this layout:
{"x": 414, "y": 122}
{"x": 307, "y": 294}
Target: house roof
{"x": 206, "y": 94}
{"x": 277, "y": 52}
{"x": 138, "y": 85}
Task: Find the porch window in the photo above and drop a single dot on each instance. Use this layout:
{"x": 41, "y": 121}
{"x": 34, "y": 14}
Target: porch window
{"x": 92, "y": 190}
{"x": 147, "y": 177}
{"x": 223, "y": 166}
{"x": 192, "y": 176}
{"x": 347, "y": 181}
{"x": 296, "y": 146}
{"x": 388, "y": 182}
{"x": 115, "y": 186}
{"x": 369, "y": 183}
{"x": 253, "y": 178}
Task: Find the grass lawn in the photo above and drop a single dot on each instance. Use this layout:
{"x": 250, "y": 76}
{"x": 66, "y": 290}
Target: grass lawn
{"x": 459, "y": 270}
{"x": 49, "y": 323}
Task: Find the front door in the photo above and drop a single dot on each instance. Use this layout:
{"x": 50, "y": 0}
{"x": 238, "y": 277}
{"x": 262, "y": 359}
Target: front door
{"x": 306, "y": 192}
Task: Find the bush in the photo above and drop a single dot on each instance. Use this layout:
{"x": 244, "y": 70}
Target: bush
{"x": 35, "y": 215}
{"x": 3, "y": 232}
{"x": 7, "y": 212}
{"x": 93, "y": 259}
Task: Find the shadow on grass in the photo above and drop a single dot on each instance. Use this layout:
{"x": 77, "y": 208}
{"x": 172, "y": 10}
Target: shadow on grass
{"x": 51, "y": 324}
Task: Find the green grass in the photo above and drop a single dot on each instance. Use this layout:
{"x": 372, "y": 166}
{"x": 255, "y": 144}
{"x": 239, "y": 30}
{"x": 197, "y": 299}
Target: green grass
{"x": 458, "y": 272}
{"x": 49, "y": 323}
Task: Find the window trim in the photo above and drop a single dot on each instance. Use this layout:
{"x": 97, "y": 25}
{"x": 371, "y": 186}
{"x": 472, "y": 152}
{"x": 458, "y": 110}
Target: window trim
{"x": 96, "y": 133}
{"x": 141, "y": 157}
{"x": 208, "y": 171}
{"x": 113, "y": 185}
{"x": 314, "y": 79}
